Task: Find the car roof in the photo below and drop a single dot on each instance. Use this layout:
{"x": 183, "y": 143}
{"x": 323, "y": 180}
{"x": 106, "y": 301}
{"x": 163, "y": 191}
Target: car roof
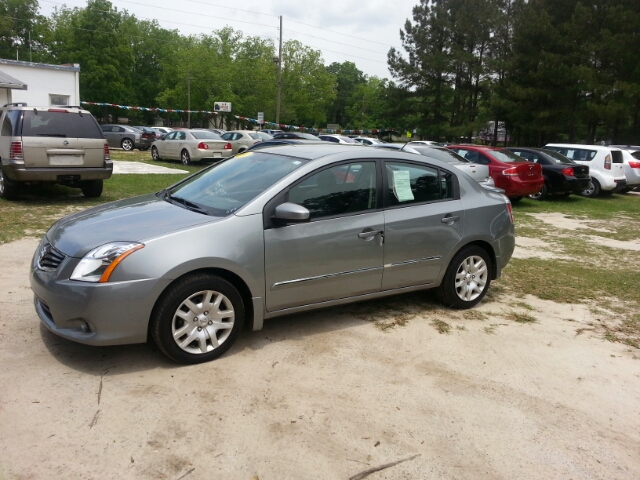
{"x": 314, "y": 150}
{"x": 599, "y": 148}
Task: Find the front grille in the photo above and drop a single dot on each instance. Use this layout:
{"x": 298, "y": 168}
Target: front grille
{"x": 50, "y": 258}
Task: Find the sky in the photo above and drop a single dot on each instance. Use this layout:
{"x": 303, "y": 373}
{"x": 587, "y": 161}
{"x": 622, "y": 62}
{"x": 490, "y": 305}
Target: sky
{"x": 344, "y": 30}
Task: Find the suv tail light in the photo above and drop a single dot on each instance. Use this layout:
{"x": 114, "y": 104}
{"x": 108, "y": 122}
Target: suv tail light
{"x": 633, "y": 164}
{"x": 15, "y": 151}
{"x": 227, "y": 147}
{"x": 607, "y": 162}
{"x": 107, "y": 155}
{"x": 567, "y": 171}
{"x": 203, "y": 146}
{"x": 510, "y": 172}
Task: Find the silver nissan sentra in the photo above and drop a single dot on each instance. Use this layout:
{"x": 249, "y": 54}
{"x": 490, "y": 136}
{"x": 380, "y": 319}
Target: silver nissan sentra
{"x": 266, "y": 233}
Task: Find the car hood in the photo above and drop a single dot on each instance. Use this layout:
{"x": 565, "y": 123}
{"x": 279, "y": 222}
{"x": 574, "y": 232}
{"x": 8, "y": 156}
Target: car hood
{"x": 130, "y": 220}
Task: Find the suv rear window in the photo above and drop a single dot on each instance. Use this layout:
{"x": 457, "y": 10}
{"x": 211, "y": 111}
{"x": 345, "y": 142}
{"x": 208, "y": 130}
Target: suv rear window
{"x": 44, "y": 123}
{"x": 616, "y": 156}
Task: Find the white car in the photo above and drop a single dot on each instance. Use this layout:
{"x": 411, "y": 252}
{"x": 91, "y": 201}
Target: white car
{"x": 426, "y": 142}
{"x": 190, "y": 145}
{"x": 606, "y": 166}
{"x": 368, "y": 141}
{"x": 161, "y": 131}
{"x": 631, "y": 170}
{"x": 334, "y": 138}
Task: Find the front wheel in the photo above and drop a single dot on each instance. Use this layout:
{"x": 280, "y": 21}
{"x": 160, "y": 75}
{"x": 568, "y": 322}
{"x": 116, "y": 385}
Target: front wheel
{"x": 592, "y": 190}
{"x": 540, "y": 195}
{"x": 197, "y": 319}
{"x": 185, "y": 157}
{"x": 8, "y": 189}
{"x": 467, "y": 278}
{"x": 155, "y": 155}
{"x": 126, "y": 144}
{"x": 92, "y": 188}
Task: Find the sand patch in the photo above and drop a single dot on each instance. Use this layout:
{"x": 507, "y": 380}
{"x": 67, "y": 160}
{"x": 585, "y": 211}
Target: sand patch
{"x": 559, "y": 220}
{"x": 527, "y": 247}
{"x": 633, "y": 245}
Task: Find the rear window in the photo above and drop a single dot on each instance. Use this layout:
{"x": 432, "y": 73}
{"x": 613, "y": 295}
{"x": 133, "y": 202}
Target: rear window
{"x": 255, "y": 136}
{"x": 558, "y": 157}
{"x": 506, "y": 156}
{"x": 43, "y": 123}
{"x": 204, "y": 135}
{"x": 616, "y": 156}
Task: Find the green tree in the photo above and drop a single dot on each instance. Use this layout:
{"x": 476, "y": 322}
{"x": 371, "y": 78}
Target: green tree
{"x": 22, "y": 30}
{"x": 348, "y": 79}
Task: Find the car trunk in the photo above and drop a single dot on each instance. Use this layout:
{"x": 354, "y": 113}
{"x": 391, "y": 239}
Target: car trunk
{"x": 528, "y": 170}
{"x": 63, "y": 152}
{"x": 216, "y": 147}
{"x": 580, "y": 171}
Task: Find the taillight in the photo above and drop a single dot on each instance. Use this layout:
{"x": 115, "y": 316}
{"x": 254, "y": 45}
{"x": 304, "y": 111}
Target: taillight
{"x": 607, "y": 162}
{"x": 227, "y": 147}
{"x": 203, "y": 146}
{"x": 510, "y": 211}
{"x": 15, "y": 151}
{"x": 567, "y": 171}
{"x": 634, "y": 164}
{"x": 510, "y": 172}
{"x": 107, "y": 156}
{"x": 147, "y": 135}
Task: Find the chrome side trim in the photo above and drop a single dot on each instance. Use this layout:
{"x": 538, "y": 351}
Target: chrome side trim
{"x": 408, "y": 262}
{"x": 288, "y": 283}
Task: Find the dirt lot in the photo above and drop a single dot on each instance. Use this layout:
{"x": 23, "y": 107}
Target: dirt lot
{"x": 508, "y": 390}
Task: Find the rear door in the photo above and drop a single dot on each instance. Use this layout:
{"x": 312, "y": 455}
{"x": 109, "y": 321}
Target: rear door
{"x": 424, "y": 221}
{"x": 61, "y": 138}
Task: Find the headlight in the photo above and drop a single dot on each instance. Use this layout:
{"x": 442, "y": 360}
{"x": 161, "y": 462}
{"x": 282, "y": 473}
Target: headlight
{"x": 99, "y": 263}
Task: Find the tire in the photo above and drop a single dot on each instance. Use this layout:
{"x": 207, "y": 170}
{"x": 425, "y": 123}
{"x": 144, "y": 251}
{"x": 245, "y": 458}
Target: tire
{"x": 515, "y": 200}
{"x": 155, "y": 155}
{"x": 171, "y": 317}
{"x": 127, "y": 144}
{"x": 541, "y": 195}
{"x": 467, "y": 278}
{"x": 242, "y": 150}
{"x": 143, "y": 149}
{"x": 593, "y": 190}
{"x": 92, "y": 188}
{"x": 8, "y": 189}
{"x": 185, "y": 158}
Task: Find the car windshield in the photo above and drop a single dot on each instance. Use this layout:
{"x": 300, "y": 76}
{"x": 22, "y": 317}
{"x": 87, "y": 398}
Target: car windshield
{"x": 558, "y": 157}
{"x": 347, "y": 139}
{"x": 205, "y": 135}
{"x": 506, "y": 156}
{"x": 229, "y": 185}
{"x": 443, "y": 154}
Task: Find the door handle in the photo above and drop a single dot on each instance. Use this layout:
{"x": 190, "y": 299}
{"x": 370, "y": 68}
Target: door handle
{"x": 450, "y": 218}
{"x": 370, "y": 233}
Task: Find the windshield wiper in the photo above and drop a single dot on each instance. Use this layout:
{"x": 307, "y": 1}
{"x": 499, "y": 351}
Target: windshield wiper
{"x": 194, "y": 207}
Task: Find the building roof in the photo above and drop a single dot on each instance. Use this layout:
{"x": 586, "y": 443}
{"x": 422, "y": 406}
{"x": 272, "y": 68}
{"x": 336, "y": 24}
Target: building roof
{"x": 7, "y": 81}
{"x": 71, "y": 67}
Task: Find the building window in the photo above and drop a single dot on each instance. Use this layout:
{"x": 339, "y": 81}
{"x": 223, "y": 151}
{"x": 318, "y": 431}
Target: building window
{"x": 58, "y": 99}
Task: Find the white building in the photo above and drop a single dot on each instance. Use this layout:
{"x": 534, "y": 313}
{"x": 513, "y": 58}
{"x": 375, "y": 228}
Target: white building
{"x": 39, "y": 84}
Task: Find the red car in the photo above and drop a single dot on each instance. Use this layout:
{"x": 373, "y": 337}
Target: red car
{"x": 512, "y": 173}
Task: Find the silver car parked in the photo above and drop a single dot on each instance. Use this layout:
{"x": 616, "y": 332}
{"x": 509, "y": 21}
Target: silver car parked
{"x": 263, "y": 234}
{"x": 190, "y": 145}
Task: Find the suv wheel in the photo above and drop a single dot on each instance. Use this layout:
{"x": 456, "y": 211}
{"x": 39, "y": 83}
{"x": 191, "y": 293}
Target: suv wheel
{"x": 8, "y": 189}
{"x": 592, "y": 190}
{"x": 92, "y": 188}
{"x": 127, "y": 144}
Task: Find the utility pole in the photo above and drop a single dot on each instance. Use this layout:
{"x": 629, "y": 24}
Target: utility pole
{"x": 188, "y": 99}
{"x": 279, "y": 76}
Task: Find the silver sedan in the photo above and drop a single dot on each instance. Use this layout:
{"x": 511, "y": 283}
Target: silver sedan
{"x": 190, "y": 145}
{"x": 267, "y": 233}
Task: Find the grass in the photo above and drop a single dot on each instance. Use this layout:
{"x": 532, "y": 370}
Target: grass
{"x": 441, "y": 326}
{"x": 522, "y": 317}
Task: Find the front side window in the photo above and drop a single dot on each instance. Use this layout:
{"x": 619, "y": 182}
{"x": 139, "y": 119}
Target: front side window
{"x": 343, "y": 189}
{"x": 410, "y": 183}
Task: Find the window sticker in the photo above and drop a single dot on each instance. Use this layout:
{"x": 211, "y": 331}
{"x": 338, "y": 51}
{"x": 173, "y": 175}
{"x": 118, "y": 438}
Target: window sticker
{"x": 402, "y": 186}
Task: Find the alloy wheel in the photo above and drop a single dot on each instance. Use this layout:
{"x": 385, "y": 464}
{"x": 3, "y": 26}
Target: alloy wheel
{"x": 471, "y": 278}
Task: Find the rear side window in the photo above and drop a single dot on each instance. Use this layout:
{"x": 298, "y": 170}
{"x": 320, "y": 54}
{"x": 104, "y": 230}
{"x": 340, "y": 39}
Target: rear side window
{"x": 409, "y": 183}
{"x": 579, "y": 154}
{"x": 43, "y": 123}
{"x": 10, "y": 123}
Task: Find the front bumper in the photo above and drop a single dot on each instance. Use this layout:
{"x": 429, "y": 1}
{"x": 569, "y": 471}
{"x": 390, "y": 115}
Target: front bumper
{"x": 94, "y": 313}
{"x": 19, "y": 173}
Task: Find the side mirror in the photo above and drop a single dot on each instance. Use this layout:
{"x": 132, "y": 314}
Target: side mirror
{"x": 291, "y": 212}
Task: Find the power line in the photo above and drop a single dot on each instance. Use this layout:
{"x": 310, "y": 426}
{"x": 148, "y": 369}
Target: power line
{"x": 338, "y": 33}
{"x": 333, "y": 41}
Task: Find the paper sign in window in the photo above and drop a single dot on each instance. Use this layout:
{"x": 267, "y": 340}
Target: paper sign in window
{"x": 402, "y": 186}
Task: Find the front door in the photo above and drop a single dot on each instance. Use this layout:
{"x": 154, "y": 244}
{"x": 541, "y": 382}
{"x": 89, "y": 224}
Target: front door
{"x": 339, "y": 252}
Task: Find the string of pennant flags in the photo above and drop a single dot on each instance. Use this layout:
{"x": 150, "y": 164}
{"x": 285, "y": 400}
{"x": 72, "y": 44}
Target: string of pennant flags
{"x": 374, "y": 131}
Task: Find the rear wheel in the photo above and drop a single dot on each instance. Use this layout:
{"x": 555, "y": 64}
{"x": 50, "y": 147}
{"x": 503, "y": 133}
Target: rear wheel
{"x": 197, "y": 319}
{"x": 155, "y": 155}
{"x": 8, "y": 188}
{"x": 467, "y": 278}
{"x": 126, "y": 144}
{"x": 541, "y": 195}
{"x": 185, "y": 157}
{"x": 592, "y": 190}
{"x": 92, "y": 188}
